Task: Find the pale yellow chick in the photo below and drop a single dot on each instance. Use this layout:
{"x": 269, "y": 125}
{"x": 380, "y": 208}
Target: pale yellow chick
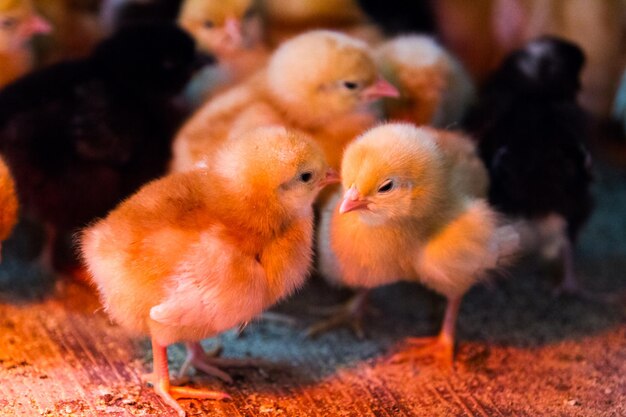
{"x": 18, "y": 24}
{"x": 320, "y": 82}
{"x": 401, "y": 217}
{"x": 285, "y": 19}
{"x": 435, "y": 89}
{"x": 231, "y": 30}
{"x": 194, "y": 254}
{"x": 8, "y": 203}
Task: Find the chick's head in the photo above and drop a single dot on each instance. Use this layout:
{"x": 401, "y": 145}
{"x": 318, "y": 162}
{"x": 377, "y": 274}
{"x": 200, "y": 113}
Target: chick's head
{"x": 154, "y": 59}
{"x": 18, "y": 24}
{"x": 219, "y": 26}
{"x": 392, "y": 172}
{"x": 275, "y": 164}
{"x": 547, "y": 66}
{"x": 322, "y": 74}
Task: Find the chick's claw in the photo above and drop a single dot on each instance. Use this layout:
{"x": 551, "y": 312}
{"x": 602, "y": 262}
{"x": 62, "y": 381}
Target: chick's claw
{"x": 349, "y": 314}
{"x": 169, "y": 394}
{"x": 440, "y": 348}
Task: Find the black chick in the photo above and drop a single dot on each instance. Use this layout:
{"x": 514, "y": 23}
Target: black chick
{"x": 397, "y": 17}
{"x": 532, "y": 135}
{"x": 116, "y": 13}
{"x": 82, "y": 135}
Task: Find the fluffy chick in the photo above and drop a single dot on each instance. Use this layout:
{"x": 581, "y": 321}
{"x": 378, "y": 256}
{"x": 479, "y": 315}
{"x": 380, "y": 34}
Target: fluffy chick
{"x": 401, "y": 218}
{"x": 435, "y": 88}
{"x": 319, "y": 82}
{"x": 18, "y": 24}
{"x": 532, "y": 135}
{"x": 8, "y": 203}
{"x": 76, "y": 30}
{"x": 82, "y": 135}
{"x": 232, "y": 32}
{"x": 209, "y": 249}
{"x": 115, "y": 14}
{"x": 285, "y": 19}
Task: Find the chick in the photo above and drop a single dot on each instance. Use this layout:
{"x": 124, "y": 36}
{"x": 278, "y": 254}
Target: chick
{"x": 209, "y": 249}
{"x": 532, "y": 135}
{"x": 320, "y": 82}
{"x": 230, "y": 30}
{"x": 115, "y": 14}
{"x": 82, "y": 135}
{"x": 18, "y": 24}
{"x": 285, "y": 19}
{"x": 435, "y": 88}
{"x": 76, "y": 30}
{"x": 8, "y": 203}
{"x": 397, "y": 17}
{"x": 401, "y": 218}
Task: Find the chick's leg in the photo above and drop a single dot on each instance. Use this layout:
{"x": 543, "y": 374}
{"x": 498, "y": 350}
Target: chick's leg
{"x": 210, "y": 363}
{"x": 441, "y": 346}
{"x": 169, "y": 393}
{"x": 350, "y": 313}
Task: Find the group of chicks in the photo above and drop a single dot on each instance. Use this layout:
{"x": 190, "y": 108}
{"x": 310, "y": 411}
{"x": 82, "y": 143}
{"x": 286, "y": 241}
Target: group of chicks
{"x": 207, "y": 221}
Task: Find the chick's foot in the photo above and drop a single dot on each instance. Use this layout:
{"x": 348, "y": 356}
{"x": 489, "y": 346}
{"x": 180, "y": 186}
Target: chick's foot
{"x": 210, "y": 363}
{"x": 348, "y": 314}
{"x": 439, "y": 347}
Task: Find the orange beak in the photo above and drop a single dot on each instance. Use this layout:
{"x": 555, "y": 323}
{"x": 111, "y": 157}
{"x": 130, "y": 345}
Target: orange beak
{"x": 35, "y": 25}
{"x": 352, "y": 201}
{"x": 381, "y": 88}
{"x": 331, "y": 177}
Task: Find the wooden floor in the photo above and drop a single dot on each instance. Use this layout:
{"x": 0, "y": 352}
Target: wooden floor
{"x": 521, "y": 351}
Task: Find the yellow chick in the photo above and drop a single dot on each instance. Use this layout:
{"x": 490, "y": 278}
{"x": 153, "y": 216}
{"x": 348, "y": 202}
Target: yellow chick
{"x": 232, "y": 31}
{"x": 8, "y": 203}
{"x": 435, "y": 89}
{"x": 285, "y": 19}
{"x": 18, "y": 24}
{"x": 194, "y": 254}
{"x": 320, "y": 82}
{"x": 468, "y": 174}
{"x": 76, "y": 29}
{"x": 401, "y": 218}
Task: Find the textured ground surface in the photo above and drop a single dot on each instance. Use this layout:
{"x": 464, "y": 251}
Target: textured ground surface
{"x": 522, "y": 352}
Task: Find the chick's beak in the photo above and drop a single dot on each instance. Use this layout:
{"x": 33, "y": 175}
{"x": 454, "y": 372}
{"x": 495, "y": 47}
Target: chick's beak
{"x": 331, "y": 177}
{"x": 233, "y": 31}
{"x": 352, "y": 201}
{"x": 35, "y": 25}
{"x": 381, "y": 88}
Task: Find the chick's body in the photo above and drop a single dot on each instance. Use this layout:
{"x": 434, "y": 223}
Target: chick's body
{"x": 8, "y": 202}
{"x": 207, "y": 250}
{"x": 435, "y": 88}
{"x": 82, "y": 135}
{"x": 532, "y": 135}
{"x": 318, "y": 83}
{"x": 403, "y": 216}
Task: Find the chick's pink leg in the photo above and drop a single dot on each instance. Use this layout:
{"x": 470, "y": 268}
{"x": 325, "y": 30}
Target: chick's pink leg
{"x": 441, "y": 346}
{"x": 169, "y": 393}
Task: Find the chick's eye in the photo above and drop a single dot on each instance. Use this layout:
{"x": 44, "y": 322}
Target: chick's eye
{"x": 208, "y": 24}
{"x": 8, "y": 23}
{"x": 306, "y": 177}
{"x": 386, "y": 186}
{"x": 351, "y": 85}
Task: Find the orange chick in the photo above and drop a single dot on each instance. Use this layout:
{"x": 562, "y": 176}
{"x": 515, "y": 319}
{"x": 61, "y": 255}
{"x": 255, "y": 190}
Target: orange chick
{"x": 231, "y": 31}
{"x": 194, "y": 254}
{"x": 285, "y": 19}
{"x": 18, "y": 24}
{"x": 435, "y": 88}
{"x": 320, "y": 82}
{"x": 8, "y": 203}
{"x": 401, "y": 218}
